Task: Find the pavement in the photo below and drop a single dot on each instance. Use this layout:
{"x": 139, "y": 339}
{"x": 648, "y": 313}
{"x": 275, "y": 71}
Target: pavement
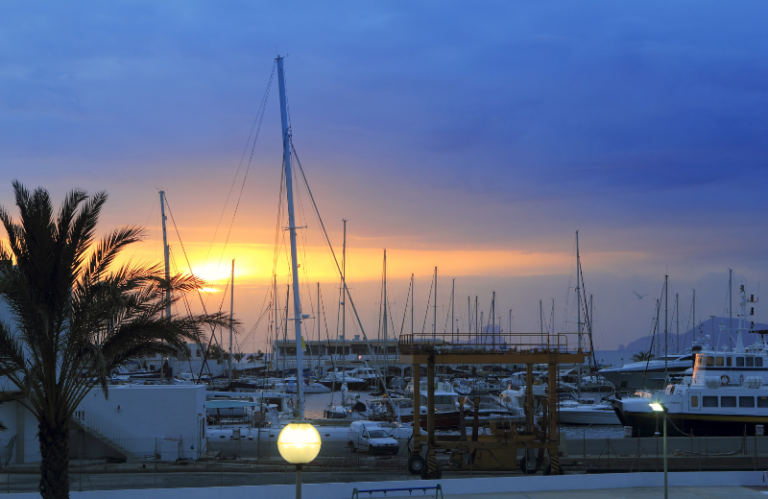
{"x": 635, "y": 493}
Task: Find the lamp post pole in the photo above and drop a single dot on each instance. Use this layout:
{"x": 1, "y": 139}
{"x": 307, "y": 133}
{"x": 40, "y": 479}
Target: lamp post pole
{"x": 659, "y": 407}
{"x": 298, "y": 481}
{"x": 666, "y": 489}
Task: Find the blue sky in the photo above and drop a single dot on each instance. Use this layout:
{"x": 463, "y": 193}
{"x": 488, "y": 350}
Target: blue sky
{"x": 433, "y": 126}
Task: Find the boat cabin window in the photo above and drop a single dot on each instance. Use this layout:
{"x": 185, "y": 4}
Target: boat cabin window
{"x": 694, "y": 400}
{"x": 758, "y": 362}
{"x": 729, "y": 361}
{"x": 746, "y": 401}
{"x": 709, "y": 401}
{"x": 739, "y": 361}
{"x": 719, "y": 361}
{"x": 727, "y": 401}
{"x": 710, "y": 361}
{"x": 762, "y": 402}
{"x": 750, "y": 361}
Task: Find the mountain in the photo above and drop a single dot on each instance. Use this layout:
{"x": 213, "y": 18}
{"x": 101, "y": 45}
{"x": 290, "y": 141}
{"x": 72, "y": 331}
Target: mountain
{"x": 710, "y": 327}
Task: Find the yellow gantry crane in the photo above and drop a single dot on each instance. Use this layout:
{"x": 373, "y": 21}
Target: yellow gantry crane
{"x": 498, "y": 448}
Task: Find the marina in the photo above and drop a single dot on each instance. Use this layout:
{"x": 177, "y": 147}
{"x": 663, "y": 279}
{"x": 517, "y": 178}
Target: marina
{"x": 383, "y": 250}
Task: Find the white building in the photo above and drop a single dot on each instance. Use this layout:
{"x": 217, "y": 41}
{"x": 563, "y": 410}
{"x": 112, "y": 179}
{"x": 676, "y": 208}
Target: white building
{"x": 135, "y": 423}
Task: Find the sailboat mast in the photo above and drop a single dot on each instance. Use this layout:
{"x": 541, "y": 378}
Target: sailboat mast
{"x": 693, "y": 336}
{"x": 166, "y": 255}
{"x": 231, "y": 318}
{"x": 493, "y": 320}
{"x": 434, "y": 326}
{"x": 666, "y": 325}
{"x": 343, "y": 309}
{"x": 578, "y": 307}
{"x": 292, "y": 230}
{"x": 453, "y": 295}
{"x": 730, "y": 307}
{"x": 541, "y": 321}
{"x": 412, "y": 291}
{"x": 677, "y": 317}
{"x": 384, "y": 328}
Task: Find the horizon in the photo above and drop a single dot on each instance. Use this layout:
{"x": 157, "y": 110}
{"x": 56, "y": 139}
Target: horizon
{"x": 473, "y": 140}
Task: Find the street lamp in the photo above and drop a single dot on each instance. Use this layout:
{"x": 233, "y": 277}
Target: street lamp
{"x": 299, "y": 444}
{"x": 659, "y": 407}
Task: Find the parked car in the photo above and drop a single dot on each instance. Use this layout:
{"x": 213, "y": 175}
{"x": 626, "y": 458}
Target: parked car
{"x": 369, "y": 436}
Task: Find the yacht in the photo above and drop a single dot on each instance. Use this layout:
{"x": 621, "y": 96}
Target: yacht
{"x": 726, "y": 395}
{"x": 649, "y": 375}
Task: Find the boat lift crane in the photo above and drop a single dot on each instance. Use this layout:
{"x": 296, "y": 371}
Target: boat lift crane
{"x": 499, "y": 449}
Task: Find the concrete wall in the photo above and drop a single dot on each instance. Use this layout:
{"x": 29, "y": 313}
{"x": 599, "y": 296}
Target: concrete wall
{"x": 22, "y": 425}
{"x": 165, "y": 419}
{"x": 152, "y": 414}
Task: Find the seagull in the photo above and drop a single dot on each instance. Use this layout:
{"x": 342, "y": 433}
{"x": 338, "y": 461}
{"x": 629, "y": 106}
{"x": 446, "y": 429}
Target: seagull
{"x": 639, "y": 296}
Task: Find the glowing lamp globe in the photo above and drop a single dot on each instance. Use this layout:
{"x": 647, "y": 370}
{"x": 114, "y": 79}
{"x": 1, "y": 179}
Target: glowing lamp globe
{"x": 299, "y": 443}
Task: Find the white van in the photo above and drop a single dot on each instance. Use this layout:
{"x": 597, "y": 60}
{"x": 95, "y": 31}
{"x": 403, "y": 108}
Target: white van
{"x": 369, "y": 436}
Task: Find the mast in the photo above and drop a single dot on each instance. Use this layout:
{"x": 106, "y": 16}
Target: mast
{"x": 694, "y": 317}
{"x": 319, "y": 345}
{"x": 292, "y": 229}
{"x": 231, "y": 318}
{"x": 677, "y": 316}
{"x": 384, "y": 329}
{"x": 493, "y": 320}
{"x": 578, "y": 308}
{"x": 656, "y": 327}
{"x": 477, "y": 329}
{"x": 730, "y": 307}
{"x": 412, "y": 291}
{"x": 343, "y": 310}
{"x": 469, "y": 317}
{"x": 166, "y": 255}
{"x": 434, "y": 326}
{"x": 453, "y": 294}
{"x": 666, "y": 325}
{"x": 541, "y": 322}
{"x": 592, "y": 345}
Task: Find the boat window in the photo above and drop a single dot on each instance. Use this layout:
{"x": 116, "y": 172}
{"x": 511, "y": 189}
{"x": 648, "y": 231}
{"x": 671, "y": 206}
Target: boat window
{"x": 719, "y": 361}
{"x": 727, "y": 401}
{"x": 762, "y": 402}
{"x": 729, "y": 361}
{"x": 746, "y": 401}
{"x": 443, "y": 399}
{"x": 739, "y": 361}
{"x": 750, "y": 361}
{"x": 694, "y": 400}
{"x": 710, "y": 361}
{"x": 758, "y": 362}
{"x": 710, "y": 401}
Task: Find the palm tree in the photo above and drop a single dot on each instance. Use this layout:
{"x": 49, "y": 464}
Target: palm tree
{"x": 78, "y": 315}
{"x": 642, "y": 356}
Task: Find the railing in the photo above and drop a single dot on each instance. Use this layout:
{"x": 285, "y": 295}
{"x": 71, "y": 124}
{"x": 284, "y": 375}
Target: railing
{"x": 109, "y": 431}
{"x": 490, "y": 343}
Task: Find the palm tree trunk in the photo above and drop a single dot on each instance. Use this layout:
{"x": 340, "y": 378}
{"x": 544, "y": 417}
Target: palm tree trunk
{"x": 54, "y": 467}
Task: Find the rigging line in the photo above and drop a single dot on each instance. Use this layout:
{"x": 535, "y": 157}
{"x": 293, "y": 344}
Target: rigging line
{"x": 304, "y": 247}
{"x": 247, "y": 170}
{"x": 278, "y": 230}
{"x": 429, "y": 300}
{"x": 405, "y": 310}
{"x": 186, "y": 257}
{"x": 338, "y": 269}
{"x": 259, "y": 118}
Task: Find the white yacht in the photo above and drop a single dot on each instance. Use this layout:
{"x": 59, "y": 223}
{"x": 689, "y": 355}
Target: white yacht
{"x": 649, "y": 375}
{"x": 727, "y": 394}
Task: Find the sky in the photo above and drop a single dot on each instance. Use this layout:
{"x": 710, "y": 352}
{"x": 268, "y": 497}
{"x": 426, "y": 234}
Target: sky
{"x": 477, "y": 137}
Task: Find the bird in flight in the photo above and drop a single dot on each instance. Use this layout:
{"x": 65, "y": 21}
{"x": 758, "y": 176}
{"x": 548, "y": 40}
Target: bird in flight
{"x": 639, "y": 296}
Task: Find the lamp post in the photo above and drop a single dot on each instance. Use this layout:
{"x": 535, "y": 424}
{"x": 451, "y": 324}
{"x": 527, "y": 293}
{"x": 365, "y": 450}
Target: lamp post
{"x": 659, "y": 407}
{"x": 299, "y": 444}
